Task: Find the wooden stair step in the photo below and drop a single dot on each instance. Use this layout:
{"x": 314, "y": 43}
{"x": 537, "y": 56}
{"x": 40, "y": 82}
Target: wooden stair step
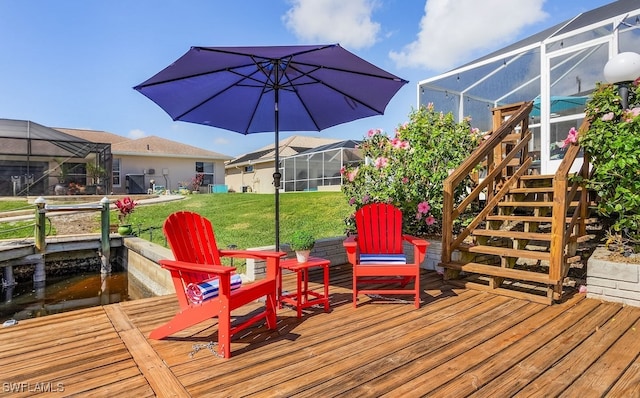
{"x": 531, "y": 219}
{"x": 494, "y": 270}
{"x": 507, "y": 252}
{"x": 512, "y": 234}
{"x": 536, "y": 190}
{"x": 537, "y": 177}
{"x": 514, "y": 137}
{"x": 532, "y": 203}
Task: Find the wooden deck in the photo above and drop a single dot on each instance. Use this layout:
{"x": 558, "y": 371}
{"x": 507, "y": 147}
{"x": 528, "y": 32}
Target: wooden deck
{"x": 459, "y": 343}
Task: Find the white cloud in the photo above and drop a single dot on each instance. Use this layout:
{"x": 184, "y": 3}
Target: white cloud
{"x": 221, "y": 141}
{"x": 136, "y": 133}
{"x": 452, "y": 29}
{"x": 347, "y": 22}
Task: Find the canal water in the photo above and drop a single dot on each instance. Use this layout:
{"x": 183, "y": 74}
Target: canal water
{"x": 65, "y": 293}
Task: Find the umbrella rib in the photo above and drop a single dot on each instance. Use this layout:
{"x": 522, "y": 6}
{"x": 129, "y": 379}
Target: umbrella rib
{"x": 230, "y": 86}
{"x": 318, "y": 81}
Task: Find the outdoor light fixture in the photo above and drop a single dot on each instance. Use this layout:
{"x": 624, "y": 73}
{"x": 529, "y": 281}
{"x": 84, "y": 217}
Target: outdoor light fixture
{"x": 623, "y": 69}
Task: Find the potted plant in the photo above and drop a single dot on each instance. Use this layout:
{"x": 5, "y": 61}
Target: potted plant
{"x": 302, "y": 242}
{"x": 96, "y": 173}
{"x": 125, "y": 206}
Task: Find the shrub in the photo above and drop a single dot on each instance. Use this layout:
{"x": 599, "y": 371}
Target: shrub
{"x": 613, "y": 143}
{"x": 408, "y": 170}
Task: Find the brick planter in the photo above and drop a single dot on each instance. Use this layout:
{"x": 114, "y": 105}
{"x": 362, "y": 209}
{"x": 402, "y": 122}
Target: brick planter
{"x": 613, "y": 281}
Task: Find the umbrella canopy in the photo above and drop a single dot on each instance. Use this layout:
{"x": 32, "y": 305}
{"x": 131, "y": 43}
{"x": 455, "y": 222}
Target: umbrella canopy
{"x": 277, "y": 88}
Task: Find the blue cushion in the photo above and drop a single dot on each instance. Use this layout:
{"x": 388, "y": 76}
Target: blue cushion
{"x": 199, "y": 292}
{"x": 382, "y": 259}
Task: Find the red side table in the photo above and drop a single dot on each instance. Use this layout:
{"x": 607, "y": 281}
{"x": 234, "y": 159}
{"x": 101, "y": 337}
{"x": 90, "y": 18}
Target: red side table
{"x": 300, "y": 299}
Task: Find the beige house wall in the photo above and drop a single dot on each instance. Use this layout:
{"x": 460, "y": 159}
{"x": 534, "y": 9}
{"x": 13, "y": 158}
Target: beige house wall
{"x": 258, "y": 181}
{"x": 177, "y": 170}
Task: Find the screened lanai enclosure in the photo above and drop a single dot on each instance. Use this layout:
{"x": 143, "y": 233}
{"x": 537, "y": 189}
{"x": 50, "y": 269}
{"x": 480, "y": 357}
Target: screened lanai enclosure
{"x": 319, "y": 168}
{"x": 557, "y": 69}
{"x": 38, "y": 160}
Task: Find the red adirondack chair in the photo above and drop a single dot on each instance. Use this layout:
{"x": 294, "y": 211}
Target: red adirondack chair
{"x": 197, "y": 259}
{"x": 376, "y": 253}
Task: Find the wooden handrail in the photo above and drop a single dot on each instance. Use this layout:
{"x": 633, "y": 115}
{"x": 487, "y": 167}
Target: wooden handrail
{"x": 497, "y": 156}
{"x": 481, "y": 154}
{"x": 561, "y": 231}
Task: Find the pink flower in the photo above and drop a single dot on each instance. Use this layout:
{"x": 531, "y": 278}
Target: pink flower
{"x": 418, "y": 216}
{"x": 424, "y": 207}
{"x": 572, "y": 138}
{"x": 609, "y": 116}
{"x": 342, "y": 170}
{"x": 373, "y": 132}
{"x": 405, "y": 180}
{"x": 430, "y": 220}
{"x": 381, "y": 162}
{"x": 352, "y": 201}
{"x": 582, "y": 289}
{"x": 352, "y": 174}
{"x": 365, "y": 199}
{"x": 632, "y": 113}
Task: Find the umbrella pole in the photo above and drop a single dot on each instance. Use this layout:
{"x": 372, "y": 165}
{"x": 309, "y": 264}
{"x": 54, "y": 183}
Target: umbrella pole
{"x": 276, "y": 175}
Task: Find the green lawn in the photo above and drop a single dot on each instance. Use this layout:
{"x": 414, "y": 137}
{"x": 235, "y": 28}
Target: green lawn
{"x": 245, "y": 220}
{"x": 248, "y": 220}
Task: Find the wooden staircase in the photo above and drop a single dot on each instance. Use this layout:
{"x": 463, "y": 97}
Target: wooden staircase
{"x": 524, "y": 235}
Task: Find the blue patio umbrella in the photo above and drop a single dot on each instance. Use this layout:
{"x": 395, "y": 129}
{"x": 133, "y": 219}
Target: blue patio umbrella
{"x": 559, "y": 103}
{"x": 276, "y": 88}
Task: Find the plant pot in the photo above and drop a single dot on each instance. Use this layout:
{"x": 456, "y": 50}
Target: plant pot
{"x": 125, "y": 229}
{"x": 302, "y": 255}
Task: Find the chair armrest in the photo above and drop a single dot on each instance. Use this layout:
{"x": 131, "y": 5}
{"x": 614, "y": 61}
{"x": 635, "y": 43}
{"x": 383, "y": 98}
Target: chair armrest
{"x": 419, "y": 247}
{"x": 351, "y": 246}
{"x": 272, "y": 258}
{"x": 257, "y": 254}
{"x": 173, "y": 265}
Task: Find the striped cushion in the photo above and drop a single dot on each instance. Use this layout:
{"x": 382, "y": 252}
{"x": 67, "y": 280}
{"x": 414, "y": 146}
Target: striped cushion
{"x": 199, "y": 292}
{"x": 383, "y": 259}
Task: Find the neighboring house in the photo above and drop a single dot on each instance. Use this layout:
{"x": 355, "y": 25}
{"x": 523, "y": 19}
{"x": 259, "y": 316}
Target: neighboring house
{"x": 318, "y": 169}
{"x": 38, "y": 160}
{"x": 170, "y": 164}
{"x": 557, "y": 69}
{"x": 253, "y": 172}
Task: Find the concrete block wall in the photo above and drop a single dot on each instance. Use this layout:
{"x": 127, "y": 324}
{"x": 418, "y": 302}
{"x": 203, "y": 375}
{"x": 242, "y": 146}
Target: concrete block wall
{"x": 329, "y": 248}
{"x": 142, "y": 259}
{"x": 332, "y": 250}
{"x": 613, "y": 281}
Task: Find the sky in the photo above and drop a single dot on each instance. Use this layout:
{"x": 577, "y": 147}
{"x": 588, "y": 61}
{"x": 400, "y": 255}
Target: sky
{"x": 73, "y": 63}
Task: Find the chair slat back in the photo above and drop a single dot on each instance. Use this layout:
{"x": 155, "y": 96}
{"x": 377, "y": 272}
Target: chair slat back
{"x": 379, "y": 228}
{"x": 192, "y": 240}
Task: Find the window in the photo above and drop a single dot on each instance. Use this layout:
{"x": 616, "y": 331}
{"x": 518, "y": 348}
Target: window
{"x": 248, "y": 169}
{"x": 115, "y": 172}
{"x": 206, "y": 169}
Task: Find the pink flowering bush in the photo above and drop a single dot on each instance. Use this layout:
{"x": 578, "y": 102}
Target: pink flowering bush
{"x": 408, "y": 168}
{"x": 613, "y": 143}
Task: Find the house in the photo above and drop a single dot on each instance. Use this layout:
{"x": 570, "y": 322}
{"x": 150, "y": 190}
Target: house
{"x": 138, "y": 164}
{"x": 38, "y": 160}
{"x": 253, "y": 172}
{"x": 557, "y": 69}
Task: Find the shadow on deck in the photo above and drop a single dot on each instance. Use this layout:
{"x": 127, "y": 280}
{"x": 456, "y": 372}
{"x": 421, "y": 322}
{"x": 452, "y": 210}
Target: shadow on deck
{"x": 458, "y": 343}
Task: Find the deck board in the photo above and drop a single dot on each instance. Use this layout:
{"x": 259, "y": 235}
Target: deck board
{"x": 459, "y": 343}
